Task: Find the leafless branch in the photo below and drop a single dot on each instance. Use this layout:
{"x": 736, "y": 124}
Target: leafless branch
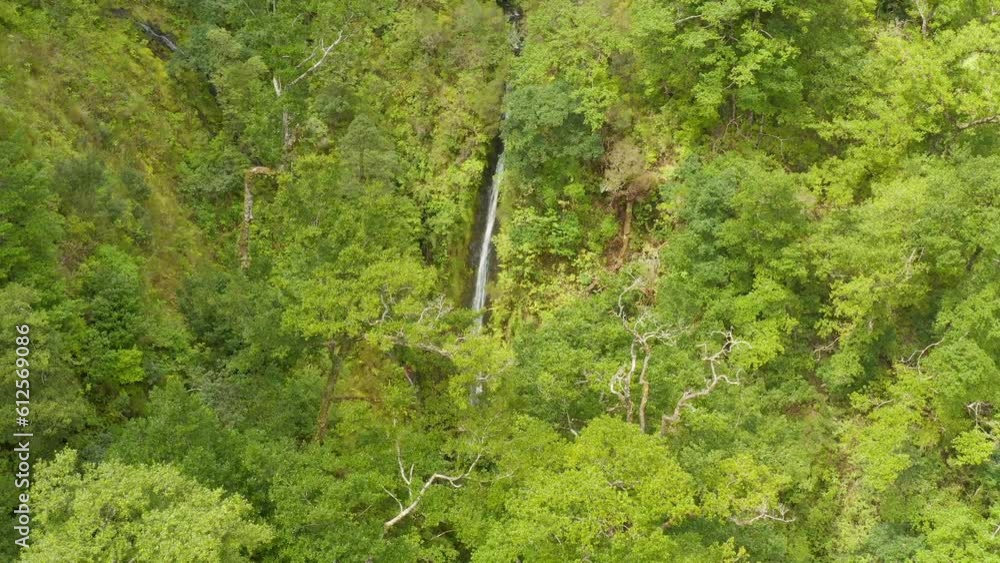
{"x": 405, "y": 511}
{"x": 915, "y": 255}
{"x": 714, "y": 360}
{"x": 765, "y": 513}
{"x": 408, "y": 479}
{"x": 826, "y": 348}
{"x": 979, "y": 410}
{"x": 569, "y": 424}
{"x": 434, "y": 311}
{"x": 429, "y": 347}
{"x": 682, "y": 20}
{"x": 988, "y": 120}
{"x": 645, "y": 331}
{"x": 438, "y": 308}
{"x": 311, "y": 56}
{"x": 394, "y": 497}
{"x": 926, "y": 13}
{"x": 325, "y": 51}
{"x": 387, "y": 302}
{"x": 919, "y": 354}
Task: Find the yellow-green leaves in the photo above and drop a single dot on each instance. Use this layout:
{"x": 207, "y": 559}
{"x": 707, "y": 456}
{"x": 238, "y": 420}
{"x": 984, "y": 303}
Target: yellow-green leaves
{"x": 142, "y": 512}
{"x": 973, "y": 447}
{"x": 612, "y": 493}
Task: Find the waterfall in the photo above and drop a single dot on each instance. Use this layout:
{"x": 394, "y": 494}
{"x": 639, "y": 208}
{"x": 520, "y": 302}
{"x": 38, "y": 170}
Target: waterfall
{"x": 514, "y": 15}
{"x": 486, "y": 246}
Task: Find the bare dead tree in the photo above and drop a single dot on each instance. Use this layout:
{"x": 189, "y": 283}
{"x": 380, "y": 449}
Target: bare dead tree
{"x": 926, "y": 13}
{"x": 620, "y": 384}
{"x": 645, "y": 331}
{"x": 715, "y": 361}
{"x": 414, "y": 497}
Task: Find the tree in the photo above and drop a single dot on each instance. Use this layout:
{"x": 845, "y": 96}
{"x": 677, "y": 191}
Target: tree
{"x": 137, "y": 512}
{"x": 614, "y": 492}
{"x": 29, "y": 226}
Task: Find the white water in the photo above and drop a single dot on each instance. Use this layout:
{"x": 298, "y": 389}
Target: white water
{"x": 483, "y": 270}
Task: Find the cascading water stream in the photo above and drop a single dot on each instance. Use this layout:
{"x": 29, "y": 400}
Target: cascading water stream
{"x": 486, "y": 246}
{"x": 514, "y": 16}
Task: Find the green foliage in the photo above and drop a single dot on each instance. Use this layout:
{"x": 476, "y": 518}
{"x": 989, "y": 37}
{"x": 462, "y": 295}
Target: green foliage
{"x": 142, "y": 512}
{"x": 973, "y": 447}
{"x": 29, "y": 227}
{"x": 612, "y": 488}
{"x": 181, "y": 430}
{"x": 548, "y": 135}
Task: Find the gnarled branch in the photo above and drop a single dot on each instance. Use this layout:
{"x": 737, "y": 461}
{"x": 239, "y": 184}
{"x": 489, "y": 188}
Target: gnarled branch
{"x": 730, "y": 344}
{"x": 764, "y": 512}
{"x": 324, "y": 52}
{"x": 988, "y": 120}
{"x": 407, "y": 476}
{"x": 645, "y": 332}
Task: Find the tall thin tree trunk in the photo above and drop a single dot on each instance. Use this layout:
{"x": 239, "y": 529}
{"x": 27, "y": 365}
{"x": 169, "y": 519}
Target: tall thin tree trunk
{"x": 626, "y": 231}
{"x": 627, "y": 387}
{"x": 247, "y": 218}
{"x": 644, "y": 381}
{"x": 286, "y": 130}
{"x": 323, "y": 420}
{"x": 244, "y": 244}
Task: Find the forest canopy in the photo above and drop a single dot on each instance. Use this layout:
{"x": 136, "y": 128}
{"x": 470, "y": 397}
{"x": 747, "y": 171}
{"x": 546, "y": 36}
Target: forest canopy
{"x": 742, "y": 292}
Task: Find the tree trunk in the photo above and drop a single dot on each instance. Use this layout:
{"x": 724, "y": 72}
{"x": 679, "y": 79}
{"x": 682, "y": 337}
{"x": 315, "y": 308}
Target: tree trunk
{"x": 248, "y": 213}
{"x": 323, "y": 420}
{"x": 626, "y": 232}
{"x": 286, "y": 131}
{"x": 926, "y": 13}
{"x": 644, "y": 380}
{"x": 627, "y": 387}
